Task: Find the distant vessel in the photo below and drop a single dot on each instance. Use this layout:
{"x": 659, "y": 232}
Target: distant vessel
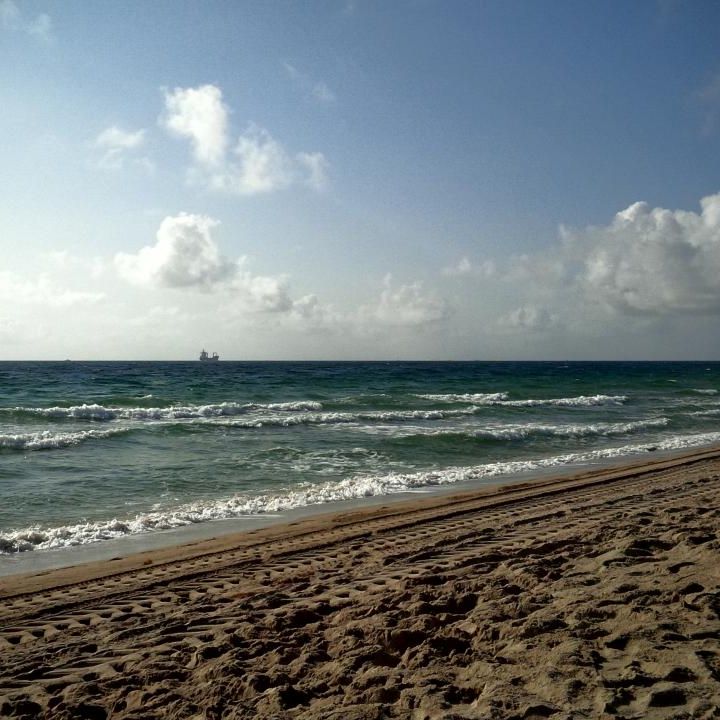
{"x": 204, "y": 357}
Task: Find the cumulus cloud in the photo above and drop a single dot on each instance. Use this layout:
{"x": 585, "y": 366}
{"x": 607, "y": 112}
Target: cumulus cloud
{"x": 652, "y": 260}
{"x": 264, "y": 293}
{"x": 185, "y": 255}
{"x": 314, "y": 89}
{"x": 647, "y": 264}
{"x": 407, "y": 305}
{"x": 200, "y": 115}
{"x": 115, "y": 145}
{"x": 11, "y": 18}
{"x": 257, "y": 163}
{"x": 261, "y": 165}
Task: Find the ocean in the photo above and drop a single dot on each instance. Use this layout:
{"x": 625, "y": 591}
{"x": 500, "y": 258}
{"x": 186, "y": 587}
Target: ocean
{"x": 95, "y": 451}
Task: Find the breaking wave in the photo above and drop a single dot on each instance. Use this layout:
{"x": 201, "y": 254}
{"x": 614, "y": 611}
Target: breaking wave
{"x": 501, "y": 398}
{"x": 47, "y": 440}
{"x": 580, "y": 401}
{"x": 174, "y": 412}
{"x": 465, "y": 397}
{"x": 530, "y": 430}
{"x": 359, "y": 486}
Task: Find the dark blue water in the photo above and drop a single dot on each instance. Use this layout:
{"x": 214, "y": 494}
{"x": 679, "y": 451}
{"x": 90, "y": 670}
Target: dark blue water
{"x": 90, "y": 451}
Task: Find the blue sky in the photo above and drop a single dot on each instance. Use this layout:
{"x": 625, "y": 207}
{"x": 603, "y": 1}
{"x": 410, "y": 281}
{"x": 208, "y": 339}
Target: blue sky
{"x": 359, "y": 179}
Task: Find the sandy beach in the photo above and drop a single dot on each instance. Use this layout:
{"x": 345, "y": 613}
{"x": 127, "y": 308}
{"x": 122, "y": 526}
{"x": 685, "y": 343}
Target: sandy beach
{"x": 595, "y": 595}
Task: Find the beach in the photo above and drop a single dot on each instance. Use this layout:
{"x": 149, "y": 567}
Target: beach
{"x": 590, "y": 595}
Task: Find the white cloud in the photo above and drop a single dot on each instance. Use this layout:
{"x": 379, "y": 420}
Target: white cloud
{"x": 315, "y": 89}
{"x": 648, "y": 265}
{"x": 652, "y": 261}
{"x": 65, "y": 262}
{"x": 407, "y": 305}
{"x": 258, "y": 163}
{"x": 185, "y": 255}
{"x": 200, "y": 115}
{"x": 115, "y": 145}
{"x": 262, "y": 165}
{"x": 42, "y": 290}
{"x": 11, "y": 18}
{"x": 264, "y": 293}
{"x": 115, "y": 137}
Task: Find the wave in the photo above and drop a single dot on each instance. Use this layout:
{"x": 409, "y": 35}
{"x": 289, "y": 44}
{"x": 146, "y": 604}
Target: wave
{"x": 47, "y": 440}
{"x": 333, "y": 418}
{"x": 501, "y": 398}
{"x": 465, "y": 397}
{"x": 705, "y": 391}
{"x": 579, "y": 401}
{"x": 102, "y": 413}
{"x": 705, "y": 413}
{"x": 174, "y": 412}
{"x": 358, "y": 486}
{"x": 529, "y": 430}
{"x": 328, "y": 418}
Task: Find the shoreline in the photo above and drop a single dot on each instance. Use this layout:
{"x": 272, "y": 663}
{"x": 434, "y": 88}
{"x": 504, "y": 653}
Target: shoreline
{"x": 583, "y": 596}
{"x": 204, "y": 538}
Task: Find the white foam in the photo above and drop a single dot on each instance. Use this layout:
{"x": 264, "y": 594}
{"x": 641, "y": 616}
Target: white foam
{"x": 174, "y": 412}
{"x": 579, "y": 401}
{"x": 333, "y": 418}
{"x": 47, "y": 440}
{"x": 465, "y": 397}
{"x": 355, "y": 487}
{"x": 527, "y": 430}
{"x": 705, "y": 391}
{"x": 501, "y": 398}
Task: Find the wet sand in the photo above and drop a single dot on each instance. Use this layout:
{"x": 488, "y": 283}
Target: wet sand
{"x": 591, "y": 596}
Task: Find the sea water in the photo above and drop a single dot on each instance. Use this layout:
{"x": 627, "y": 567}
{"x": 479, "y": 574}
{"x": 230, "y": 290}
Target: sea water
{"x": 92, "y": 451}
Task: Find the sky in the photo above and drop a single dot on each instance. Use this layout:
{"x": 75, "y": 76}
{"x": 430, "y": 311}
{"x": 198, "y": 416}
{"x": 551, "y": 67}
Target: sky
{"x": 348, "y": 179}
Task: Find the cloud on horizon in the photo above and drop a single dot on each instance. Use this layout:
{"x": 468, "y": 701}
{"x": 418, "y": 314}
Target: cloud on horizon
{"x": 651, "y": 261}
{"x": 647, "y": 265}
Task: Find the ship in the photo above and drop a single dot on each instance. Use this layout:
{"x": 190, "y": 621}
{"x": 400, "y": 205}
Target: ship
{"x": 204, "y": 357}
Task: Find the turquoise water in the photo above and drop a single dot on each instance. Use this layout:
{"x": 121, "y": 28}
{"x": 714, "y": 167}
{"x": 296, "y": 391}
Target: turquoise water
{"x": 92, "y": 451}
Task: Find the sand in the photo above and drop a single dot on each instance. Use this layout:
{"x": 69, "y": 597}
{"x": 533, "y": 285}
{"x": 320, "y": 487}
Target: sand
{"x": 584, "y": 597}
